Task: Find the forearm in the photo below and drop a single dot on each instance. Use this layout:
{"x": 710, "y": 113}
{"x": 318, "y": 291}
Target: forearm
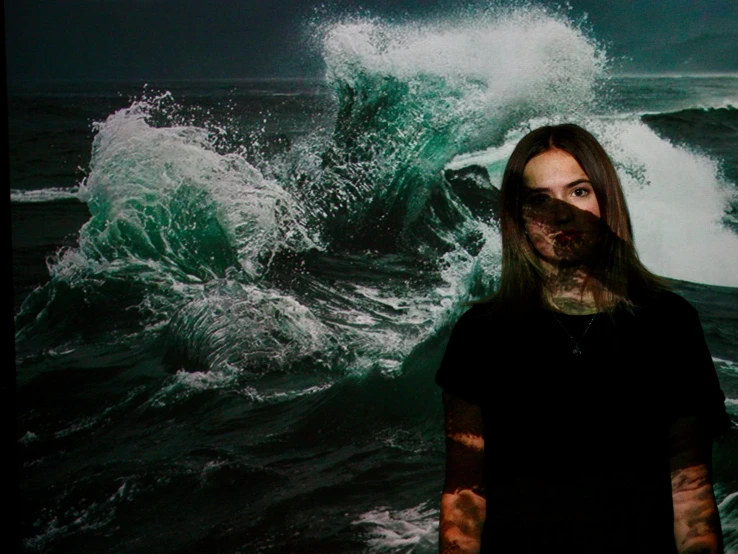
{"x": 462, "y": 518}
{"x": 696, "y": 519}
{"x": 463, "y": 503}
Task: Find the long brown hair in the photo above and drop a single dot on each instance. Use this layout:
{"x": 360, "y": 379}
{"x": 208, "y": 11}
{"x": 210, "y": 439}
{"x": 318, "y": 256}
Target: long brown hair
{"x": 620, "y": 279}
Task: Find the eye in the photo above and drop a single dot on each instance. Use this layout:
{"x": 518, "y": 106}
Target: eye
{"x": 536, "y": 199}
{"x": 580, "y": 192}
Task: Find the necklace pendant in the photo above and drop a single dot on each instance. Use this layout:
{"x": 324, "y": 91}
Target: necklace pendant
{"x": 576, "y": 351}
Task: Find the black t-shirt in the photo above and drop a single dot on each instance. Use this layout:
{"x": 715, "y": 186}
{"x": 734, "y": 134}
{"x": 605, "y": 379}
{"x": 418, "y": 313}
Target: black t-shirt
{"x": 576, "y": 452}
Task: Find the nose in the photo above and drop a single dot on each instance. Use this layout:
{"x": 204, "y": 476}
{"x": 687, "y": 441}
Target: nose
{"x": 563, "y": 212}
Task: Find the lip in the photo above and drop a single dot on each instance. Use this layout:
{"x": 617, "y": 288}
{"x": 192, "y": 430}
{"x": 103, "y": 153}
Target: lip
{"x": 567, "y": 236}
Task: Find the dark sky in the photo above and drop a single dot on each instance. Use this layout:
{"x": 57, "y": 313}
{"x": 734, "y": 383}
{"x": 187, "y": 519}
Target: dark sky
{"x": 185, "y": 39}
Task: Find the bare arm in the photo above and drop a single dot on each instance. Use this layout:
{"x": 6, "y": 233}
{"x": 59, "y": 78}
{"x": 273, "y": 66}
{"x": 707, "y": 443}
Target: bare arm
{"x": 463, "y": 502}
{"x": 696, "y": 520}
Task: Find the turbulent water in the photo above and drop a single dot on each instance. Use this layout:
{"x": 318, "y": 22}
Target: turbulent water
{"x": 232, "y": 297}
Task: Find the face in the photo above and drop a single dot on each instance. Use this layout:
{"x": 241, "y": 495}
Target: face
{"x": 560, "y": 210}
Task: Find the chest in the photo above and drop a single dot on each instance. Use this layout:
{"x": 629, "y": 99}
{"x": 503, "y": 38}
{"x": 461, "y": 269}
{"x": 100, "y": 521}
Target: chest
{"x": 541, "y": 399}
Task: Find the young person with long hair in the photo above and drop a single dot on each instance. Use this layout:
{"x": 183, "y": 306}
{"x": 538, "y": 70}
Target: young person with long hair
{"x": 580, "y": 400}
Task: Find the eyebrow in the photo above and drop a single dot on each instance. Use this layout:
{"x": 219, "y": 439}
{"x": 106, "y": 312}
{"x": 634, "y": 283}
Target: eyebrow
{"x": 573, "y": 184}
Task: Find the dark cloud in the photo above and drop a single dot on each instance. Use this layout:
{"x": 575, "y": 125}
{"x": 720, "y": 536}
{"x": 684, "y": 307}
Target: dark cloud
{"x": 146, "y": 39}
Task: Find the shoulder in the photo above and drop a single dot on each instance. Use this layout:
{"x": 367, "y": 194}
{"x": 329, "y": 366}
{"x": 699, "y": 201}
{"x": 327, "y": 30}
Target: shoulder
{"x": 473, "y": 330}
{"x": 664, "y": 318}
{"x": 672, "y": 301}
{"x": 481, "y": 311}
{"x": 482, "y": 315}
{"x": 668, "y": 305}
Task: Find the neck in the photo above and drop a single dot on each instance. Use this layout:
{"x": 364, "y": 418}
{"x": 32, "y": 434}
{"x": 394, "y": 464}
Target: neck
{"x": 569, "y": 290}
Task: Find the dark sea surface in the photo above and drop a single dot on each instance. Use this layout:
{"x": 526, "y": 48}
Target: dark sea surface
{"x": 232, "y": 296}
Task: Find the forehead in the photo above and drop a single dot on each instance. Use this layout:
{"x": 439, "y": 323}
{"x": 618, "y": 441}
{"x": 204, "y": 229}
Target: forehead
{"x": 551, "y": 168}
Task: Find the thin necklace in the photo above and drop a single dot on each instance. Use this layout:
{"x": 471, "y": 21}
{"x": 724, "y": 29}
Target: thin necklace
{"x": 576, "y": 351}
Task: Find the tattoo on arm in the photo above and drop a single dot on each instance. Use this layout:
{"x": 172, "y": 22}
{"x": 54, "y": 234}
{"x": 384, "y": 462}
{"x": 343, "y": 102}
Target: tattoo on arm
{"x": 696, "y": 519}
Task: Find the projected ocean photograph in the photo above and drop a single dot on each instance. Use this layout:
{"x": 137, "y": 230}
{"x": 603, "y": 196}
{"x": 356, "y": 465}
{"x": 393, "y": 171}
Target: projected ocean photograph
{"x": 232, "y": 292}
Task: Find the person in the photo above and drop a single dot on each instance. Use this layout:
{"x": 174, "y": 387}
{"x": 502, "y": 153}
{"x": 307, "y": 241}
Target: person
{"x": 580, "y": 400}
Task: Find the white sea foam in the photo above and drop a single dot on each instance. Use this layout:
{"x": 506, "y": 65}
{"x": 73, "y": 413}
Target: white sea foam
{"x": 135, "y": 164}
{"x": 232, "y": 324}
{"x": 279, "y": 396}
{"x": 677, "y": 202}
{"x": 51, "y": 194}
{"x": 726, "y": 365}
{"x": 28, "y": 438}
{"x": 84, "y": 517}
{"x": 185, "y": 384}
{"x": 76, "y": 426}
{"x": 401, "y": 531}
{"x": 517, "y": 57}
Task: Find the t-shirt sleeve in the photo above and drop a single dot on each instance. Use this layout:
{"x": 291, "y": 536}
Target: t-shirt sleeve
{"x": 460, "y": 371}
{"x": 694, "y": 388}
